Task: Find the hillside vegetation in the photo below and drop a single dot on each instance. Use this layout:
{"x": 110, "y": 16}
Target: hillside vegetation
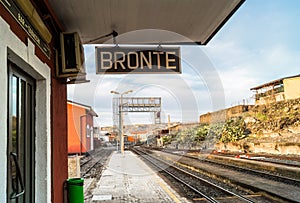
{"x": 277, "y": 123}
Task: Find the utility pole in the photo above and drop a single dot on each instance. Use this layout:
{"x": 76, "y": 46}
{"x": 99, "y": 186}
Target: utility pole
{"x": 121, "y": 130}
{"x": 169, "y": 123}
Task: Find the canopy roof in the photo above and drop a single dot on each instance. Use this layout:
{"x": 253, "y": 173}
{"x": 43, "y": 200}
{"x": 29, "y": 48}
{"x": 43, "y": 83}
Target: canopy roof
{"x": 197, "y": 20}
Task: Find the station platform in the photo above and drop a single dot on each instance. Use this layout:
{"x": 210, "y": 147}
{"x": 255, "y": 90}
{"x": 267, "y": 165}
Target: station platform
{"x": 127, "y": 178}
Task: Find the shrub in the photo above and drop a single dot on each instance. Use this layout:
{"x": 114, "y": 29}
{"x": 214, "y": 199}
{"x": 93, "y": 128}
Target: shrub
{"x": 233, "y": 130}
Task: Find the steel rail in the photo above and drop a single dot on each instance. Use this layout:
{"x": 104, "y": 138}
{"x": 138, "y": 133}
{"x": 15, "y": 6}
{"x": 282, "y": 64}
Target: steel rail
{"x": 213, "y": 184}
{"x": 84, "y": 163}
{"x": 278, "y": 178}
{"x": 90, "y": 168}
{"x": 198, "y": 178}
{"x": 210, "y": 199}
{"x": 94, "y": 164}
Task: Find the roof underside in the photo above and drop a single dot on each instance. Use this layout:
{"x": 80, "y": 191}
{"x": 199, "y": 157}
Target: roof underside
{"x": 196, "y": 20}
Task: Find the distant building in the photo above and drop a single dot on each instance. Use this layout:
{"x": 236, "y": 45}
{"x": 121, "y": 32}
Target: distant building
{"x": 224, "y": 114}
{"x": 176, "y": 127}
{"x": 138, "y": 136}
{"x": 281, "y": 89}
{"x": 80, "y": 128}
{"x": 107, "y": 134}
{"x": 107, "y": 128}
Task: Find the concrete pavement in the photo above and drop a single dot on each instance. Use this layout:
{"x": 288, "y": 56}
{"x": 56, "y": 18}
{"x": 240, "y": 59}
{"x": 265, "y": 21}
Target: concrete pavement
{"x": 128, "y": 179}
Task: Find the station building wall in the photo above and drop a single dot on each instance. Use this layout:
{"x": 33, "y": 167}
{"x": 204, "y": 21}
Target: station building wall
{"x": 76, "y": 121}
{"x": 80, "y": 129}
{"x": 50, "y": 111}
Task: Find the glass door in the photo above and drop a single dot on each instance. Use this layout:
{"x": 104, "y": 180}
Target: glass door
{"x": 21, "y": 136}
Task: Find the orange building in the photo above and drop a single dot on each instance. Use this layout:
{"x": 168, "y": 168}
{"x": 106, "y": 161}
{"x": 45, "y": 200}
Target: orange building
{"x": 80, "y": 128}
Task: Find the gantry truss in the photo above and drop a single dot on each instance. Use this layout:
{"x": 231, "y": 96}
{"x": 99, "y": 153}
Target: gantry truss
{"x": 136, "y": 104}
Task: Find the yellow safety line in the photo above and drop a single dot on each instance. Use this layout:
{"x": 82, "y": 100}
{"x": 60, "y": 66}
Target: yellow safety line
{"x": 166, "y": 189}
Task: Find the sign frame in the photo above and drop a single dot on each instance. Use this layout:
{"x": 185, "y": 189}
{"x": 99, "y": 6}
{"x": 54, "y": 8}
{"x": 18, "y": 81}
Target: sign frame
{"x": 138, "y": 60}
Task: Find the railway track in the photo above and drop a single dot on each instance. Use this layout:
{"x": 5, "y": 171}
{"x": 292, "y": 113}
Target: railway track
{"x": 282, "y": 188}
{"x": 91, "y": 165}
{"x": 257, "y": 161}
{"x": 285, "y": 161}
{"x": 202, "y": 188}
{"x": 276, "y": 161}
{"x": 262, "y": 173}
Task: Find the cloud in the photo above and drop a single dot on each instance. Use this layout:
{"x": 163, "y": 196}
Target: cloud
{"x": 241, "y": 68}
{"x": 248, "y": 52}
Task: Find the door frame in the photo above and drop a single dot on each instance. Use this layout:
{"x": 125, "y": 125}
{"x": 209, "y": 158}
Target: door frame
{"x": 23, "y": 54}
{"x": 24, "y": 57}
{"x": 23, "y": 157}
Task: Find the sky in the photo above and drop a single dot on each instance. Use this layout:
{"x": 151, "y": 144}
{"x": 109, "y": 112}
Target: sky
{"x": 259, "y": 43}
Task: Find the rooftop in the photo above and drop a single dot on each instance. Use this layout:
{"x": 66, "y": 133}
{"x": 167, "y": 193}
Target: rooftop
{"x": 274, "y": 82}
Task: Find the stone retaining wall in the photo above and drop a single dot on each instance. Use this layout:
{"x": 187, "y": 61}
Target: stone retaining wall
{"x": 271, "y": 148}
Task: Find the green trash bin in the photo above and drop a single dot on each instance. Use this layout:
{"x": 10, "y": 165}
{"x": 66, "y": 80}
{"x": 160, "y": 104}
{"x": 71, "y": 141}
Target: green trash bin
{"x": 75, "y": 190}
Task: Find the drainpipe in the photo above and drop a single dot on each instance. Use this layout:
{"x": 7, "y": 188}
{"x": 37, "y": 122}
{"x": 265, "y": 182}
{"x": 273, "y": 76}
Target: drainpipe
{"x": 81, "y": 133}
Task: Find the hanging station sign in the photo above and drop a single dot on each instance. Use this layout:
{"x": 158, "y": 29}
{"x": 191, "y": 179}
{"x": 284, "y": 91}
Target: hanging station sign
{"x": 124, "y": 60}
